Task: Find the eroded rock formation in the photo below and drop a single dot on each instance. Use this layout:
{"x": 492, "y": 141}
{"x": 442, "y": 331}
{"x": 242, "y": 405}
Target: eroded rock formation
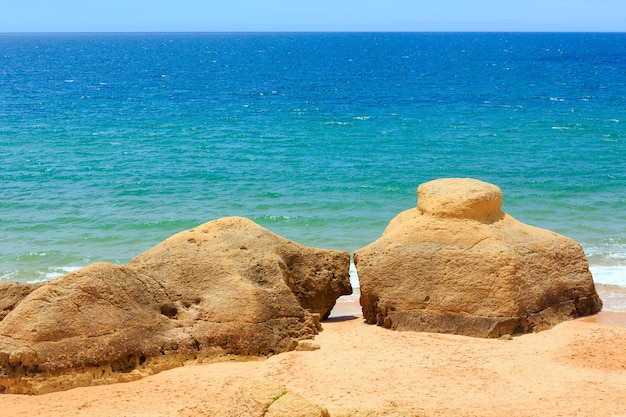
{"x": 457, "y": 264}
{"x": 228, "y": 287}
{"x": 12, "y": 293}
{"x": 264, "y": 398}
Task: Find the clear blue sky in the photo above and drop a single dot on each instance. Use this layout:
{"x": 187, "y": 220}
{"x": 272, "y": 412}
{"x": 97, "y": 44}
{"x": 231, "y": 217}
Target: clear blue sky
{"x": 311, "y": 15}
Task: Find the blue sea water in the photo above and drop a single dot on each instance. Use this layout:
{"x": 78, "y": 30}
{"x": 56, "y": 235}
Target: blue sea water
{"x": 110, "y": 143}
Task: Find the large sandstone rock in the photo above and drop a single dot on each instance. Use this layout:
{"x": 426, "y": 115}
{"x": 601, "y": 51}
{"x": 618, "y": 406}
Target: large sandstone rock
{"x": 228, "y": 287}
{"x": 237, "y": 252}
{"x": 458, "y": 264}
{"x": 12, "y": 293}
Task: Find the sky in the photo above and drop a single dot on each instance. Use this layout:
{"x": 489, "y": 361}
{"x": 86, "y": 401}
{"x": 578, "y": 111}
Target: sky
{"x": 311, "y": 15}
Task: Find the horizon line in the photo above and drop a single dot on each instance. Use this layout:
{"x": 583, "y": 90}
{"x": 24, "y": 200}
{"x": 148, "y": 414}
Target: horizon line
{"x": 300, "y": 31}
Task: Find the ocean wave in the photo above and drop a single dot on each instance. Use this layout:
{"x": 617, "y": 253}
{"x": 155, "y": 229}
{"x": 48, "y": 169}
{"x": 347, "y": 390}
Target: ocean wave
{"x": 39, "y": 275}
{"x": 613, "y": 297}
{"x": 609, "y": 253}
{"x": 58, "y": 272}
{"x": 609, "y": 275}
{"x": 338, "y": 123}
{"x": 275, "y": 218}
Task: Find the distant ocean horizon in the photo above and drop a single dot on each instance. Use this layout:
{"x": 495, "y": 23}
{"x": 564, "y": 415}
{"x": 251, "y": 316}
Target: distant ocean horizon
{"x": 113, "y": 142}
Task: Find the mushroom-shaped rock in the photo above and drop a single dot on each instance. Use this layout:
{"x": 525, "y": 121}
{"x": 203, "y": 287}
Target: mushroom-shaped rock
{"x": 228, "y": 287}
{"x": 458, "y": 264}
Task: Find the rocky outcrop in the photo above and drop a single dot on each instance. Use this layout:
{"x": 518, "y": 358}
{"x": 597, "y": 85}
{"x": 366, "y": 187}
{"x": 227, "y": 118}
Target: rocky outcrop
{"x": 228, "y": 287}
{"x": 229, "y": 252}
{"x": 458, "y": 264}
{"x": 12, "y": 293}
{"x": 264, "y": 398}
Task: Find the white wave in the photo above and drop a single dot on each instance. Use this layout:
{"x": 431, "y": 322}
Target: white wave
{"x": 56, "y": 273}
{"x": 352, "y": 298}
{"x": 609, "y": 254}
{"x": 613, "y": 297}
{"x": 609, "y": 275}
{"x": 354, "y": 277}
{"x": 7, "y": 276}
{"x": 278, "y": 217}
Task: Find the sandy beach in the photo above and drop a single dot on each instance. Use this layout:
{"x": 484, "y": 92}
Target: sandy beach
{"x": 575, "y": 369}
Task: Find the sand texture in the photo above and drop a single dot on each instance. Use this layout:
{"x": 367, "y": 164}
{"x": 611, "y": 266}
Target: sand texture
{"x": 577, "y": 368}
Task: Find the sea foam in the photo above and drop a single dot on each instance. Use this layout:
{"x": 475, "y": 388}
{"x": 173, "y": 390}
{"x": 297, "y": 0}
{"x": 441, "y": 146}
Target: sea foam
{"x": 609, "y": 275}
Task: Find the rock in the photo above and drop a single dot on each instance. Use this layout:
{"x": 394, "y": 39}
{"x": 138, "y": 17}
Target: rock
{"x": 294, "y": 405}
{"x": 234, "y": 251}
{"x": 12, "y": 293}
{"x": 91, "y": 326}
{"x": 458, "y": 264}
{"x": 263, "y": 398}
{"x": 228, "y": 287}
{"x": 253, "y": 398}
{"x": 307, "y": 346}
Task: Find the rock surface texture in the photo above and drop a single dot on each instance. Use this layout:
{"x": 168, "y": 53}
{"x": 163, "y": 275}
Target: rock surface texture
{"x": 264, "y": 398}
{"x": 228, "y": 287}
{"x": 12, "y": 293}
{"x": 458, "y": 264}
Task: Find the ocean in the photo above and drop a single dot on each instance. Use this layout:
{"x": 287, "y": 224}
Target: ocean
{"x": 111, "y": 143}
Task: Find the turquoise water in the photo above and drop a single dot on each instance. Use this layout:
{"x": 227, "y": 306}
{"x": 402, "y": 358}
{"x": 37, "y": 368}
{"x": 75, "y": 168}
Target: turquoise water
{"x": 110, "y": 143}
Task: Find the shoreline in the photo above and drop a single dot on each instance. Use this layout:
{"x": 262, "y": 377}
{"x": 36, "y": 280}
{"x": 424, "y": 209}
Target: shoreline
{"x": 610, "y": 318}
{"x": 613, "y": 296}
